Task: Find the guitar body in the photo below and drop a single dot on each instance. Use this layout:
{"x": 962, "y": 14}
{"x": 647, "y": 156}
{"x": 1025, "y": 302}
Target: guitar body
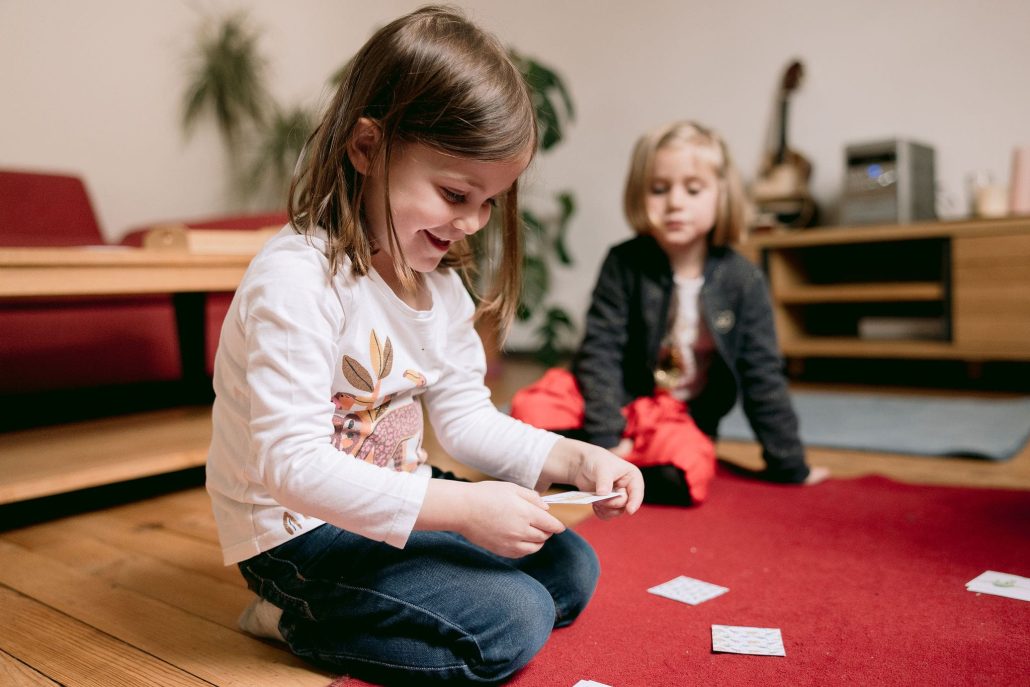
{"x": 785, "y": 179}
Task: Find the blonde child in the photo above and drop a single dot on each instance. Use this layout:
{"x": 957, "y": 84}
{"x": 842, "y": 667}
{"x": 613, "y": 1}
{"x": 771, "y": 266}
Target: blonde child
{"x": 679, "y": 325}
{"x": 350, "y": 320}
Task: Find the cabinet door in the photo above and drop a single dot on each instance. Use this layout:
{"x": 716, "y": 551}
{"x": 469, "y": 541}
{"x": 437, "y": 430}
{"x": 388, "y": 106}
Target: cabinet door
{"x": 991, "y": 291}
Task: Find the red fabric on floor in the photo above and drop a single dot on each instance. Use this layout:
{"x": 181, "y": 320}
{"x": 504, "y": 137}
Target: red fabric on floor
{"x": 551, "y": 402}
{"x": 663, "y": 432}
{"x": 865, "y": 578}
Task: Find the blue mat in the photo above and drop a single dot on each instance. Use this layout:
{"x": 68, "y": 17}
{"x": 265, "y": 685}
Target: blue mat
{"x": 994, "y": 429}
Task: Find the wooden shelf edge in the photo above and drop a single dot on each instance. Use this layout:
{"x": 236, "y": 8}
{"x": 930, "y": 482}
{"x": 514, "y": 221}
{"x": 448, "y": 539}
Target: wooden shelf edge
{"x": 845, "y": 347}
{"x": 862, "y": 293}
{"x": 884, "y": 233}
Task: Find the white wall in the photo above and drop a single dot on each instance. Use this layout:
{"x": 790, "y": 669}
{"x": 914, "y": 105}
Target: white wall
{"x": 95, "y": 88}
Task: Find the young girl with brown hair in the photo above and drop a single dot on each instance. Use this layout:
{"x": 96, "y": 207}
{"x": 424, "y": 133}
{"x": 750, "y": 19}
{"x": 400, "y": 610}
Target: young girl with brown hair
{"x": 350, "y": 320}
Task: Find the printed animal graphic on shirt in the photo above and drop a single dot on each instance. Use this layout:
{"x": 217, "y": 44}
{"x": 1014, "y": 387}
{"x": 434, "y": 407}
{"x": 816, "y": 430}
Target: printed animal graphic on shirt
{"x": 366, "y": 426}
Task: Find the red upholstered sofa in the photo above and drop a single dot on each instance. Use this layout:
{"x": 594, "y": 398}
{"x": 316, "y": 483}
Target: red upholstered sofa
{"x": 49, "y": 344}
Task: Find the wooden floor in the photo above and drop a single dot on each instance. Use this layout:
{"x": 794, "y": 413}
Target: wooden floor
{"x": 136, "y": 594}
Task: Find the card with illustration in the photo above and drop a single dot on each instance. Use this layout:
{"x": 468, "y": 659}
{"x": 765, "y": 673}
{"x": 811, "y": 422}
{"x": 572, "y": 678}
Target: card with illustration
{"x": 1000, "y": 584}
{"x": 688, "y": 590}
{"x": 756, "y": 641}
{"x": 579, "y": 497}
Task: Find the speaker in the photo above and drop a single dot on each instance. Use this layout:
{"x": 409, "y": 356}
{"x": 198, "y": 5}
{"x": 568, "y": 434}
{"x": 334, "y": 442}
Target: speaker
{"x": 888, "y": 182}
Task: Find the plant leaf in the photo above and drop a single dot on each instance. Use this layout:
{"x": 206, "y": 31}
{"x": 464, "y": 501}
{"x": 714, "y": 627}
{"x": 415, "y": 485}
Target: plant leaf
{"x": 537, "y": 231}
{"x": 375, "y": 350}
{"x": 522, "y": 313}
{"x": 568, "y": 209}
{"x": 567, "y": 202}
{"x": 555, "y": 326}
{"x": 387, "y": 359}
{"x": 357, "y": 375}
{"x": 547, "y": 90}
{"x": 550, "y": 125}
{"x": 536, "y": 282}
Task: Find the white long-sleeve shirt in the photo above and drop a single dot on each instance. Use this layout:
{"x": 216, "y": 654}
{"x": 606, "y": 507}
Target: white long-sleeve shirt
{"x": 317, "y": 413}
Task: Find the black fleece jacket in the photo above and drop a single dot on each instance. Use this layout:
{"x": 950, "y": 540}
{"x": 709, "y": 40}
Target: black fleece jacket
{"x": 629, "y": 317}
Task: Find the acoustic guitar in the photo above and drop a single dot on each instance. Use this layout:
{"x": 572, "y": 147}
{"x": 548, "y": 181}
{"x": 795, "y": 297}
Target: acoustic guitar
{"x": 781, "y": 187}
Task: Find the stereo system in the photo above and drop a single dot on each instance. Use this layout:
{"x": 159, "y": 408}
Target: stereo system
{"x": 888, "y": 182}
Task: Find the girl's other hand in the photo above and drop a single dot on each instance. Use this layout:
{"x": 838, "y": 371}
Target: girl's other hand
{"x": 504, "y": 518}
{"x": 817, "y": 475}
{"x": 592, "y": 468}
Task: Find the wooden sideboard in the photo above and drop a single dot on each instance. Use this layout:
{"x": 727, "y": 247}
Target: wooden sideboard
{"x": 946, "y": 290}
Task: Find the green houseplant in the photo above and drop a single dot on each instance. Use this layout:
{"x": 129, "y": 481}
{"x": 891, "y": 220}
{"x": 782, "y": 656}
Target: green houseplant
{"x": 227, "y": 82}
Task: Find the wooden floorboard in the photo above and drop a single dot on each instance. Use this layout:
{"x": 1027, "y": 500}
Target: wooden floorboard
{"x": 187, "y": 513}
{"x": 72, "y": 652}
{"x": 136, "y": 594}
{"x": 193, "y": 644}
{"x": 14, "y": 673}
{"x": 202, "y": 595}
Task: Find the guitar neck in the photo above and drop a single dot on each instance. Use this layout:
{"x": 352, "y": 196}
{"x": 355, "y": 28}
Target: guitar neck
{"x": 780, "y": 156}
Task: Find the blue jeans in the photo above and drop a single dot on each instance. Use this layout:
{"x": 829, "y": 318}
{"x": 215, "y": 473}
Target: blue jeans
{"x": 439, "y": 610}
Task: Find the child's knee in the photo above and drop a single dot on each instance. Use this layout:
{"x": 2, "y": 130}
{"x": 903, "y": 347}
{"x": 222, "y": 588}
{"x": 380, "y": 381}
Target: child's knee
{"x": 581, "y": 570}
{"x": 523, "y": 623}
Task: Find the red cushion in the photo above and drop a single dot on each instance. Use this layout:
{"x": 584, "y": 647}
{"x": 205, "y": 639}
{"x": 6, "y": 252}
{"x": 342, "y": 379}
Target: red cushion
{"x": 75, "y": 343}
{"x": 45, "y": 210}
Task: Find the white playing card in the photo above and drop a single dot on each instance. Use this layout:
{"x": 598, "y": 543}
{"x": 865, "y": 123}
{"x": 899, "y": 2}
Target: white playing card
{"x": 688, "y": 590}
{"x": 590, "y": 683}
{"x": 579, "y": 497}
{"x": 757, "y": 641}
{"x": 1001, "y": 584}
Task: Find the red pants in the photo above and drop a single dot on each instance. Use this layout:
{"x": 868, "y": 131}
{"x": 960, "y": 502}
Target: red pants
{"x": 662, "y": 430}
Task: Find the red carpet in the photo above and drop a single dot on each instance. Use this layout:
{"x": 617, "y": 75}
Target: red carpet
{"x": 865, "y": 578}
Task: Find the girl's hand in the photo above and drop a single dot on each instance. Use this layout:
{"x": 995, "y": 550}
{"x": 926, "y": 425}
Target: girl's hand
{"x": 504, "y": 518}
{"x": 817, "y": 475}
{"x": 592, "y": 468}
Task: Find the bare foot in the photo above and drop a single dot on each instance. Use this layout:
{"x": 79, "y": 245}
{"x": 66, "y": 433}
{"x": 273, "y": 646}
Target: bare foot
{"x": 817, "y": 475}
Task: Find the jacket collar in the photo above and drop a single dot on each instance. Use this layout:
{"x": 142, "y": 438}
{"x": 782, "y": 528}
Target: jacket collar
{"x": 662, "y": 272}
